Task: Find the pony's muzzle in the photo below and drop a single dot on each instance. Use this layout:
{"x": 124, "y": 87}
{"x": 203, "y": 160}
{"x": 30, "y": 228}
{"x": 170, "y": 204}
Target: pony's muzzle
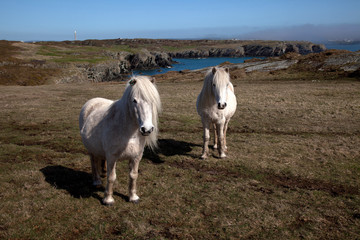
{"x": 146, "y": 132}
{"x": 222, "y": 105}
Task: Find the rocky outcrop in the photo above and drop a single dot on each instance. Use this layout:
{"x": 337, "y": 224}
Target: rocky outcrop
{"x": 118, "y": 68}
{"x": 106, "y": 72}
{"x": 348, "y": 62}
{"x": 253, "y": 50}
{"x": 122, "y": 65}
{"x": 213, "y": 52}
{"x": 146, "y": 60}
{"x": 336, "y": 62}
{"x": 143, "y": 60}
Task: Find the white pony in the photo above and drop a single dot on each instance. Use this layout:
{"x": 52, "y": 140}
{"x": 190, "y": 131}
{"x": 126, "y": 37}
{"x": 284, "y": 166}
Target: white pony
{"x": 216, "y": 104}
{"x": 115, "y": 130}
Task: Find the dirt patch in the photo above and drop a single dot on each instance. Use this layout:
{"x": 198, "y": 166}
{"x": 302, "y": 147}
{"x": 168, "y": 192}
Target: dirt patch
{"x": 296, "y": 182}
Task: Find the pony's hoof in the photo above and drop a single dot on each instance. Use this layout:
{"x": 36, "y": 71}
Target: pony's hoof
{"x": 215, "y": 146}
{"x": 108, "y": 201}
{"x": 137, "y": 201}
{"x": 134, "y": 199}
{"x": 108, "y": 204}
{"x": 223, "y": 155}
{"x": 204, "y": 156}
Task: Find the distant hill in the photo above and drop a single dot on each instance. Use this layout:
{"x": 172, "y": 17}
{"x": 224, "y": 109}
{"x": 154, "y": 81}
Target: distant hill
{"x": 106, "y": 60}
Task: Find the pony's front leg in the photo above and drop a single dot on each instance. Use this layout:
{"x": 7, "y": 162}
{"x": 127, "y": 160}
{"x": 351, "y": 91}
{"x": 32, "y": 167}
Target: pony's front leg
{"x": 220, "y": 132}
{"x": 133, "y": 175}
{"x": 206, "y": 138}
{"x": 215, "y": 137}
{"x": 111, "y": 177}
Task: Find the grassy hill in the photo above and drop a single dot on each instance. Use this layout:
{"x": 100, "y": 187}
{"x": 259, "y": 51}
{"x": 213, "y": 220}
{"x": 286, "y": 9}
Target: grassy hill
{"x": 292, "y": 169}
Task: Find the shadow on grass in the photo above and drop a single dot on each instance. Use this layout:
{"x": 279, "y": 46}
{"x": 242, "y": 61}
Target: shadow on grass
{"x": 77, "y": 183}
{"x": 170, "y": 147}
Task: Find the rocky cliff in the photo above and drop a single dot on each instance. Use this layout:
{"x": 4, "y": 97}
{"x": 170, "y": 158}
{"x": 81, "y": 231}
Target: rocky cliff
{"x": 124, "y": 63}
{"x": 252, "y": 50}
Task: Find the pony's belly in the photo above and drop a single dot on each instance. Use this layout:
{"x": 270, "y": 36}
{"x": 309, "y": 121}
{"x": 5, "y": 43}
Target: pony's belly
{"x": 93, "y": 147}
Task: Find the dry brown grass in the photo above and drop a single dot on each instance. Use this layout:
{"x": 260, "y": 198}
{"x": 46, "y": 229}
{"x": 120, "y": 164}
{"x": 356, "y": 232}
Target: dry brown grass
{"x": 19, "y": 66}
{"x": 292, "y": 170}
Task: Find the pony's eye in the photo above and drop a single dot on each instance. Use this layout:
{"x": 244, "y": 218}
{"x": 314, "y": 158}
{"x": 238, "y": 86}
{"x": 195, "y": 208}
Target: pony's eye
{"x": 213, "y": 84}
{"x": 134, "y": 101}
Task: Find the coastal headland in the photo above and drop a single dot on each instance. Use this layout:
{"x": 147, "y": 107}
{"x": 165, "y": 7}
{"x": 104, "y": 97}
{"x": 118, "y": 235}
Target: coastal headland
{"x": 107, "y": 60}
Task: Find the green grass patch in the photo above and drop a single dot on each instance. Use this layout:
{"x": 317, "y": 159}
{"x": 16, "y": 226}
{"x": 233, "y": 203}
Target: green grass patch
{"x": 83, "y": 54}
{"x": 178, "y": 48}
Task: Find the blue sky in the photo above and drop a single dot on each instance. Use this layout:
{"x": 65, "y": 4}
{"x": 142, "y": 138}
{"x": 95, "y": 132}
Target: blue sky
{"x": 267, "y": 19}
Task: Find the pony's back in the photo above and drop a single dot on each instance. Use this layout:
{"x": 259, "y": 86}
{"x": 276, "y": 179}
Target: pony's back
{"x": 91, "y": 106}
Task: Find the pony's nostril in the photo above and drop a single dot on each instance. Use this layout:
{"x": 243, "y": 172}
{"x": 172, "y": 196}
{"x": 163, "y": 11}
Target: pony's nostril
{"x": 146, "y": 132}
{"x": 221, "y": 106}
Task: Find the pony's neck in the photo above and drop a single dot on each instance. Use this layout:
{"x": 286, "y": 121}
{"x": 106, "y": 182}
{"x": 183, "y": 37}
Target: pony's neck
{"x": 208, "y": 97}
{"x": 124, "y": 117}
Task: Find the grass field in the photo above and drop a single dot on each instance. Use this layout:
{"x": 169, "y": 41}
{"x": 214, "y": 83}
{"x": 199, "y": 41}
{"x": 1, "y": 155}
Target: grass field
{"x": 292, "y": 171}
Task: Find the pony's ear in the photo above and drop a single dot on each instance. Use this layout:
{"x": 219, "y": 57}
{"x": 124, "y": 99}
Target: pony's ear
{"x": 152, "y": 79}
{"x": 214, "y": 70}
{"x": 227, "y": 70}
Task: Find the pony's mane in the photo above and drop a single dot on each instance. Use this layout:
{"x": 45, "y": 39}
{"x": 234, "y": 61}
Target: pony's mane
{"x": 220, "y": 77}
{"x": 141, "y": 86}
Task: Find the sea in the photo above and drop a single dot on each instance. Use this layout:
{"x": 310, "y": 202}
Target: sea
{"x": 193, "y": 64}
{"x": 199, "y": 63}
{"x": 350, "y": 47}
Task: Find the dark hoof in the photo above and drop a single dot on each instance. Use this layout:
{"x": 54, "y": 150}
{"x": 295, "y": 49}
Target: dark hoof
{"x": 135, "y": 201}
{"x": 107, "y": 204}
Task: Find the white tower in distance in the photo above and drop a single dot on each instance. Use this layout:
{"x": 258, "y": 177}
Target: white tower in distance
{"x": 75, "y": 35}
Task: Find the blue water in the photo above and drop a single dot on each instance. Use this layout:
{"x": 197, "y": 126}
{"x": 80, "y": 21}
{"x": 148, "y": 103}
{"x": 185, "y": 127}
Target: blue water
{"x": 192, "y": 64}
{"x": 349, "y": 47}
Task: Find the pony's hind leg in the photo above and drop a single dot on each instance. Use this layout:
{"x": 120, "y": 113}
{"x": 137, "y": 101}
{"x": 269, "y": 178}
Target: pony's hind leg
{"x": 103, "y": 168}
{"x": 111, "y": 177}
{"x": 225, "y": 130}
{"x": 95, "y": 168}
{"x": 133, "y": 175}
